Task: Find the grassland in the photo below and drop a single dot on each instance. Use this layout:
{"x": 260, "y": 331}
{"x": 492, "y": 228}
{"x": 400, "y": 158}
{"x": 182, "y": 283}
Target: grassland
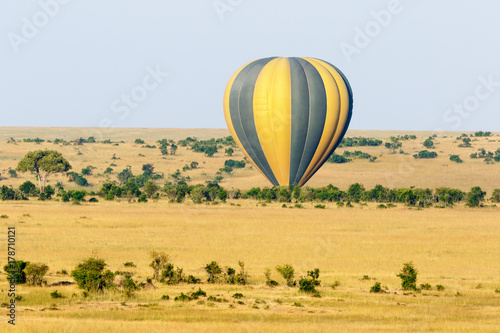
{"x": 458, "y": 248}
{"x": 391, "y": 170}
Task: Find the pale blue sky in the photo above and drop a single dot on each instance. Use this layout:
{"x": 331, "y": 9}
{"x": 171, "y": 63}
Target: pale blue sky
{"x": 412, "y": 65}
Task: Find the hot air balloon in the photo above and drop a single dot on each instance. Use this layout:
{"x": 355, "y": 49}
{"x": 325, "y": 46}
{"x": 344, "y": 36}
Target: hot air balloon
{"x": 288, "y": 115}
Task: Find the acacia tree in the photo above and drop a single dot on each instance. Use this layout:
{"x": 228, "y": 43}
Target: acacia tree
{"x": 44, "y": 163}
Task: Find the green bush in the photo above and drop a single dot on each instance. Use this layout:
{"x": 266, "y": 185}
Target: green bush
{"x": 129, "y": 286}
{"x": 428, "y": 143}
{"x": 408, "y": 276}
{"x": 475, "y": 197}
{"x": 287, "y": 272}
{"x": 496, "y": 195}
{"x": 15, "y": 271}
{"x": 56, "y": 294}
{"x": 28, "y": 188}
{"x": 425, "y": 154}
{"x": 35, "y": 273}
{"x": 192, "y": 280}
{"x": 214, "y": 272}
{"x": 269, "y": 281}
{"x": 376, "y": 288}
{"x": 307, "y": 285}
{"x": 425, "y": 286}
{"x": 339, "y": 159}
{"x": 92, "y": 276}
{"x": 160, "y": 262}
{"x": 173, "y": 276}
{"x": 456, "y": 158}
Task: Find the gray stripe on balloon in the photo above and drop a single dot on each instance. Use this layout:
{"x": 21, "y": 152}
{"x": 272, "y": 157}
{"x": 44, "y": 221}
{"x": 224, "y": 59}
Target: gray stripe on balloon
{"x": 317, "y": 116}
{"x": 299, "y": 116}
{"x": 349, "y": 116}
{"x": 242, "y": 115}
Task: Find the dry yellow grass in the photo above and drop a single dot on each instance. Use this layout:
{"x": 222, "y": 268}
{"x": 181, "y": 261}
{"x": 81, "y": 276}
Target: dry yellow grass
{"x": 458, "y": 248}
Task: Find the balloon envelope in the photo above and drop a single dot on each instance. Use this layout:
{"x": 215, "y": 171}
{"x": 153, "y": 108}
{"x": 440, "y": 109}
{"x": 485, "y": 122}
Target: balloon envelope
{"x": 288, "y": 115}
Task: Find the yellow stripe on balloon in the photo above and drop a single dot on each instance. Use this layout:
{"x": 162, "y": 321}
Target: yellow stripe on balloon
{"x": 272, "y": 105}
{"x": 331, "y": 121}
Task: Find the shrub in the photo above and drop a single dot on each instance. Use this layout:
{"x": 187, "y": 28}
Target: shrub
{"x": 269, "y": 281}
{"x": 335, "y": 284}
{"x": 496, "y": 195}
{"x": 129, "y": 264}
{"x": 465, "y": 143}
{"x": 424, "y": 154}
{"x": 92, "y": 276}
{"x": 307, "y": 285}
{"x": 129, "y": 286}
{"x": 475, "y": 197}
{"x": 198, "y": 293}
{"x": 182, "y": 297}
{"x": 214, "y": 272}
{"x": 408, "y": 276}
{"x": 456, "y": 158}
{"x": 15, "y": 271}
{"x": 287, "y": 272}
{"x": 56, "y": 294}
{"x": 88, "y": 170}
{"x": 242, "y": 276}
{"x": 376, "y": 288}
{"x": 28, "y": 188}
{"x": 35, "y": 273}
{"x": 172, "y": 276}
{"x": 192, "y": 280}
{"x": 335, "y": 158}
{"x": 160, "y": 262}
{"x": 439, "y": 287}
{"x": 425, "y": 286}
{"x": 139, "y": 141}
{"x": 428, "y": 143}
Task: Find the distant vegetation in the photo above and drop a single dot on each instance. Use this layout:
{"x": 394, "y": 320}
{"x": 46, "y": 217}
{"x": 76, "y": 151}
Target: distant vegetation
{"x": 424, "y": 154}
{"x": 359, "y": 142}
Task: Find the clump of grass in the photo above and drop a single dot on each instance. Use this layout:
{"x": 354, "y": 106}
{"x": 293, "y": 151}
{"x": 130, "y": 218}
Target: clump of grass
{"x": 56, "y": 294}
{"x": 425, "y": 286}
{"x": 376, "y": 288}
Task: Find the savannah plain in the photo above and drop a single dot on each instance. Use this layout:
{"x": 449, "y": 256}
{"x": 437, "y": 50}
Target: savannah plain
{"x": 456, "y": 247}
